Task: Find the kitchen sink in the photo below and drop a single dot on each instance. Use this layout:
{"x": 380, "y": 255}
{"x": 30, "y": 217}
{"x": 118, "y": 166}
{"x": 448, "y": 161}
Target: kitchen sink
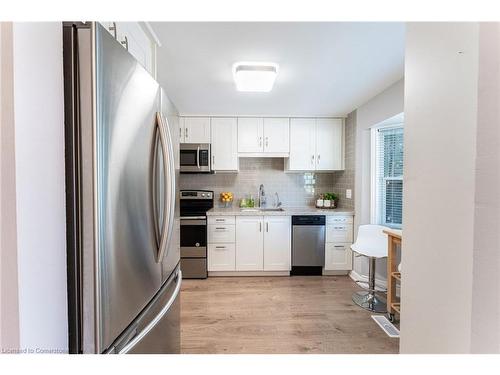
{"x": 274, "y": 209}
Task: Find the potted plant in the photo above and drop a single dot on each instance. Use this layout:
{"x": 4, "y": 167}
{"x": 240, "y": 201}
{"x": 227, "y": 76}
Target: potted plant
{"x": 331, "y": 200}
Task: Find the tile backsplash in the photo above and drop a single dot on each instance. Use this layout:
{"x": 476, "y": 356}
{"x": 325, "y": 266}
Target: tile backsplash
{"x": 294, "y": 189}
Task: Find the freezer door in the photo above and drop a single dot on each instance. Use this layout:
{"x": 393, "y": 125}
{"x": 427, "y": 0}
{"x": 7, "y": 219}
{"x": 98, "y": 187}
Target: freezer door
{"x": 157, "y": 330}
{"x": 127, "y": 104}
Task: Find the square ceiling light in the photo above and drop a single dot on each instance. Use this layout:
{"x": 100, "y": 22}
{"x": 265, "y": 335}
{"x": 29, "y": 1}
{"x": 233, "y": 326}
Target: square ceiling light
{"x": 255, "y": 76}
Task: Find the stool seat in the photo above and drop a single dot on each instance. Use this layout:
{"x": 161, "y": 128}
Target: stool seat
{"x": 371, "y": 241}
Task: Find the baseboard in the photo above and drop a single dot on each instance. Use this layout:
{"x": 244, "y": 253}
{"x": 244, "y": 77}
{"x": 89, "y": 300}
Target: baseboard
{"x": 334, "y": 273}
{"x": 248, "y": 273}
{"x": 380, "y": 284}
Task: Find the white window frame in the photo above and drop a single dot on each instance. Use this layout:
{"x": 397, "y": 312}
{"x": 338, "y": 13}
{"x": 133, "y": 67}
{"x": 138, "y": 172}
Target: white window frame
{"x": 374, "y": 188}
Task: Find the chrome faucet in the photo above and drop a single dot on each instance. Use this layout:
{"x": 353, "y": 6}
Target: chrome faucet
{"x": 277, "y": 203}
{"x": 262, "y": 196}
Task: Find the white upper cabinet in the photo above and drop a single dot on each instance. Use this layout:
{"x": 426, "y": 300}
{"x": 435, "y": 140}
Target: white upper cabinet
{"x": 302, "y": 145}
{"x": 131, "y": 35}
{"x": 329, "y": 144}
{"x": 277, "y": 243}
{"x": 249, "y": 243}
{"x": 277, "y": 135}
{"x": 195, "y": 130}
{"x": 224, "y": 144}
{"x": 316, "y": 145}
{"x": 263, "y": 137}
{"x": 250, "y": 134}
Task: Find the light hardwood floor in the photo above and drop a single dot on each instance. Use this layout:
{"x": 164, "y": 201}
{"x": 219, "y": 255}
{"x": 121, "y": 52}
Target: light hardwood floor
{"x": 306, "y": 314}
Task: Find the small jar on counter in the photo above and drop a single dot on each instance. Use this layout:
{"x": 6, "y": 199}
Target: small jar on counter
{"x": 320, "y": 202}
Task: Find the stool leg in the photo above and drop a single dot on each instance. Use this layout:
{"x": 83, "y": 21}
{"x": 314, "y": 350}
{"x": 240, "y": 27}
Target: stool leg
{"x": 371, "y": 276}
{"x": 368, "y": 300}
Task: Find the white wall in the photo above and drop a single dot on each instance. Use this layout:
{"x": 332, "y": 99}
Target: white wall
{"x": 438, "y": 210}
{"x": 486, "y": 268}
{"x": 9, "y": 311}
{"x": 39, "y": 143}
{"x": 385, "y": 105}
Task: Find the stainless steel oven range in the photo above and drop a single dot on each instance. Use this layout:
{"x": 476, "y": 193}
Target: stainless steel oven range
{"x": 193, "y": 207}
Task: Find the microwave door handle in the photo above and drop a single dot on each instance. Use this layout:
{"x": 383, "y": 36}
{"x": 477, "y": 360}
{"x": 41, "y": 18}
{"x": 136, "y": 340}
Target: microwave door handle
{"x": 198, "y": 157}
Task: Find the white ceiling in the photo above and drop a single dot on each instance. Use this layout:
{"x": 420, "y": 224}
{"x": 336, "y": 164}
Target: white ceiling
{"x": 326, "y": 69}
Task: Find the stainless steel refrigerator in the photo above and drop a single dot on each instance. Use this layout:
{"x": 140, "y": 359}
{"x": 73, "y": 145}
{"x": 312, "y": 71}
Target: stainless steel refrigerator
{"x": 122, "y": 200}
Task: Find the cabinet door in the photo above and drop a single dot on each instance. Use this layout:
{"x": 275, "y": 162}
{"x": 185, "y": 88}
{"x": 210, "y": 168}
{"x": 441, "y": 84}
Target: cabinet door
{"x": 329, "y": 144}
{"x": 250, "y": 134}
{"x": 302, "y": 145}
{"x": 249, "y": 243}
{"x": 338, "y": 257}
{"x": 221, "y": 257}
{"x": 131, "y": 36}
{"x": 196, "y": 130}
{"x": 277, "y": 135}
{"x": 277, "y": 243}
{"x": 182, "y": 129}
{"x": 224, "y": 144}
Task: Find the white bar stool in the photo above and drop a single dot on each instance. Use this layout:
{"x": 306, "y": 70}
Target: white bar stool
{"x": 372, "y": 243}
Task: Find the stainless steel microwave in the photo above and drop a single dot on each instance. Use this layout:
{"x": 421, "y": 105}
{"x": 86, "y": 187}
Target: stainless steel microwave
{"x": 195, "y": 158}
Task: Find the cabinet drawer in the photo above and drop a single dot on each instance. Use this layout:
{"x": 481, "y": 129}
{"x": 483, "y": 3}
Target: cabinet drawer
{"x": 339, "y": 219}
{"x": 338, "y": 257}
{"x": 221, "y": 257}
{"x": 221, "y": 233}
{"x": 221, "y": 220}
{"x": 339, "y": 233}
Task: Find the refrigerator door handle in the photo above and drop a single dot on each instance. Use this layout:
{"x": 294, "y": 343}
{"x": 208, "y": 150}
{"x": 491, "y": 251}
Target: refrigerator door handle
{"x": 157, "y": 318}
{"x": 172, "y": 178}
{"x": 166, "y": 202}
{"x": 154, "y": 191}
{"x": 169, "y": 182}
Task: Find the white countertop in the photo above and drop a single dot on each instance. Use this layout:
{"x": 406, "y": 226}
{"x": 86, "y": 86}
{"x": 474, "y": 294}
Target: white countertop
{"x": 288, "y": 211}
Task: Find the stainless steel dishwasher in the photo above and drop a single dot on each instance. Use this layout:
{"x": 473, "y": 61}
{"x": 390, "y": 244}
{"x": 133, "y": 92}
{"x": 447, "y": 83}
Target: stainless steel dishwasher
{"x": 308, "y": 244}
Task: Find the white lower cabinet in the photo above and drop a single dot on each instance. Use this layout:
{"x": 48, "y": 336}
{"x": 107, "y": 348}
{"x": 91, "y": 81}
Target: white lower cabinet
{"x": 249, "y": 243}
{"x": 338, "y": 257}
{"x": 277, "y": 243}
{"x": 221, "y": 257}
{"x": 339, "y": 237}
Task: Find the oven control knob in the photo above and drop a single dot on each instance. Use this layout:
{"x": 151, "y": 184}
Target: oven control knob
{"x": 197, "y": 244}
{"x": 203, "y": 194}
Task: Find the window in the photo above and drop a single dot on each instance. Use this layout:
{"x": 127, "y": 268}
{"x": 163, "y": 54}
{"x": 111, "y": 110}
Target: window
{"x": 388, "y": 176}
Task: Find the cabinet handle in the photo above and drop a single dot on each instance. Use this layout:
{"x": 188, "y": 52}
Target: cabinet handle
{"x": 180, "y": 133}
{"x": 339, "y": 246}
{"x": 125, "y": 43}
{"x": 220, "y": 228}
{"x": 114, "y": 30}
{"x": 319, "y": 158}
{"x": 221, "y": 220}
{"x": 213, "y": 160}
{"x": 220, "y": 247}
{"x": 267, "y": 227}
{"x": 260, "y": 141}
{"x": 260, "y": 226}
{"x": 186, "y": 133}
{"x": 312, "y": 159}
{"x": 267, "y": 142}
